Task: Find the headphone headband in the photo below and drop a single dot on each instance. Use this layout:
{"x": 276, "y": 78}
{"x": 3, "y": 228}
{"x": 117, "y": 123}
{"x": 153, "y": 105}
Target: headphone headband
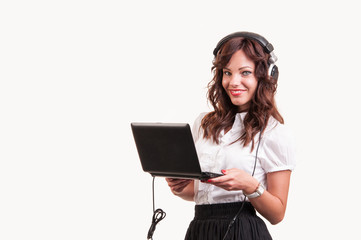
{"x": 268, "y": 47}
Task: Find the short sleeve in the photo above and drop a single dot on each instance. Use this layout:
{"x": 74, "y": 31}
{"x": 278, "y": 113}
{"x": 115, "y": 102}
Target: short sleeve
{"x": 277, "y": 152}
{"x": 196, "y": 129}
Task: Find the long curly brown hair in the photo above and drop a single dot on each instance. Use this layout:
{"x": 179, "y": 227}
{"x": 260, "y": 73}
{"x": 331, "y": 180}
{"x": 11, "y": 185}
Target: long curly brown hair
{"x": 262, "y": 103}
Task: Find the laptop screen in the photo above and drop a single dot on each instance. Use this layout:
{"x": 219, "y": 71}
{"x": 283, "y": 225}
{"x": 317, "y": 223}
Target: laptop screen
{"x": 166, "y": 149}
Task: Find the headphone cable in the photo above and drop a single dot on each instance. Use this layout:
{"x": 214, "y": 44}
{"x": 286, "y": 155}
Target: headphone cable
{"x": 158, "y": 215}
{"x": 254, "y": 169}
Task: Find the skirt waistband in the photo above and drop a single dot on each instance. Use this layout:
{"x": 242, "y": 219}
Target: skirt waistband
{"x": 222, "y": 210}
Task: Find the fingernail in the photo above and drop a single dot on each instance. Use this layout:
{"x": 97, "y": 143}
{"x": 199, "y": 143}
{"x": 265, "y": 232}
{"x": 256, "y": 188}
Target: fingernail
{"x": 209, "y": 180}
{"x": 223, "y": 171}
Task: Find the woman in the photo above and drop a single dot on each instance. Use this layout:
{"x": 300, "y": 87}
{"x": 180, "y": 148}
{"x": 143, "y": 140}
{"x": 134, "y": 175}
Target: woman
{"x": 245, "y": 139}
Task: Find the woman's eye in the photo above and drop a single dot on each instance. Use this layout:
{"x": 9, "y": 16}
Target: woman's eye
{"x": 246, "y": 73}
{"x": 226, "y": 73}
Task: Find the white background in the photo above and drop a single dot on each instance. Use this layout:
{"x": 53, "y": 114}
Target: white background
{"x": 75, "y": 74}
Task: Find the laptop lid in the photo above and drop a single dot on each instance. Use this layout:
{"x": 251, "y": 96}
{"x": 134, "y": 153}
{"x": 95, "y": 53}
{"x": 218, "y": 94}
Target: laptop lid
{"x": 166, "y": 149}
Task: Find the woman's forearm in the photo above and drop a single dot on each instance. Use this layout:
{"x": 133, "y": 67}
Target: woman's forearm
{"x": 269, "y": 207}
{"x": 272, "y": 203}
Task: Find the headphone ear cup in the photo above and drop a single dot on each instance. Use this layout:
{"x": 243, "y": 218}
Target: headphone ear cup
{"x": 273, "y": 71}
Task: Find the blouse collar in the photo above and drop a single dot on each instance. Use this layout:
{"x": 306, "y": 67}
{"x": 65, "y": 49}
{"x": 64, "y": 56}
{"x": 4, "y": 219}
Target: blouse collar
{"x": 240, "y": 116}
{"x": 236, "y": 129}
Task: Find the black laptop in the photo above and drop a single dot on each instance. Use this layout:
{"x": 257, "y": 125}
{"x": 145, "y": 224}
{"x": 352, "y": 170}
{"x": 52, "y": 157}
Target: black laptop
{"x": 167, "y": 150}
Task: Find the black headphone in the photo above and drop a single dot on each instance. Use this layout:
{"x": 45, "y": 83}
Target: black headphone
{"x": 267, "y": 47}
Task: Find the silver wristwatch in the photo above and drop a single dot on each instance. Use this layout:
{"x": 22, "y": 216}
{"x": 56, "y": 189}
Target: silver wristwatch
{"x": 259, "y": 191}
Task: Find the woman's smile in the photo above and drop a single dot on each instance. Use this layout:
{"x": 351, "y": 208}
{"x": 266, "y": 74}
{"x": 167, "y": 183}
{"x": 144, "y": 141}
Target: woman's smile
{"x": 237, "y": 92}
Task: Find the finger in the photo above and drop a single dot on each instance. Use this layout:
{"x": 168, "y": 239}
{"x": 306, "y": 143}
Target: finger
{"x": 173, "y": 183}
{"x": 215, "y": 180}
{"x": 178, "y": 183}
{"x": 183, "y": 183}
{"x": 219, "y": 179}
{"x": 179, "y": 187}
{"x": 172, "y": 179}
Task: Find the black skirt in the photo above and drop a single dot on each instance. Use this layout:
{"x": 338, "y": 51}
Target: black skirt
{"x": 211, "y": 223}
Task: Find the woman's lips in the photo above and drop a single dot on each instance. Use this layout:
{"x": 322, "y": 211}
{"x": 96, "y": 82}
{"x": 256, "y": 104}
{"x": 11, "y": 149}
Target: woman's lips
{"x": 236, "y": 92}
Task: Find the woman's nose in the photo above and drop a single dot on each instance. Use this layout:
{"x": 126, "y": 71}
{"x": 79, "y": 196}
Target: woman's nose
{"x": 236, "y": 80}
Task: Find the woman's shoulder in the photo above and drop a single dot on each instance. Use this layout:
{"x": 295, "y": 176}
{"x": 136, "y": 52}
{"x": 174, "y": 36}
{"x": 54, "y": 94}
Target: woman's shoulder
{"x": 201, "y": 116}
{"x": 276, "y": 129}
{"x": 278, "y": 147}
{"x": 196, "y": 129}
{"x": 278, "y": 135}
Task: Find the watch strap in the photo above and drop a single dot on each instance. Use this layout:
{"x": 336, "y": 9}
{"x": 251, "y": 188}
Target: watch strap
{"x": 259, "y": 191}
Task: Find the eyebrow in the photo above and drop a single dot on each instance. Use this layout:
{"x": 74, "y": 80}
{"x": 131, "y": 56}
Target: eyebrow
{"x": 239, "y": 68}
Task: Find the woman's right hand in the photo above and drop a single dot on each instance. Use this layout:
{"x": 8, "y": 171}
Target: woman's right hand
{"x": 177, "y": 185}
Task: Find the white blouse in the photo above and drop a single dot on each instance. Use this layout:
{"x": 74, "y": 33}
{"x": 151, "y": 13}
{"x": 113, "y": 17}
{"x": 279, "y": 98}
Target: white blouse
{"x": 276, "y": 153}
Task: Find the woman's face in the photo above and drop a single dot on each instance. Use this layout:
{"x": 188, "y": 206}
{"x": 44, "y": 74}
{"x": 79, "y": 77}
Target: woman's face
{"x": 239, "y": 80}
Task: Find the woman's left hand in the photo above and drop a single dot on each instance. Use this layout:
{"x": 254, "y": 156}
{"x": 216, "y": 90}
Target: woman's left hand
{"x": 235, "y": 179}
